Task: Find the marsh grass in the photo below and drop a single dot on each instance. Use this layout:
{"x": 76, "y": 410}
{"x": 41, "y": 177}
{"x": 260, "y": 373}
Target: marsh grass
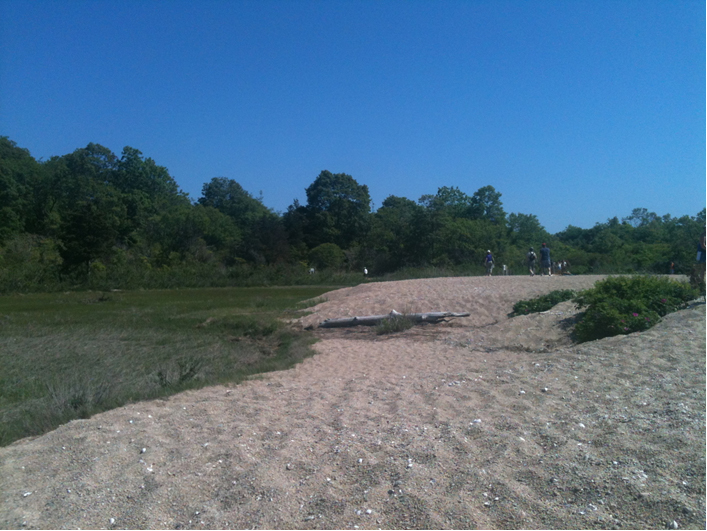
{"x": 71, "y": 355}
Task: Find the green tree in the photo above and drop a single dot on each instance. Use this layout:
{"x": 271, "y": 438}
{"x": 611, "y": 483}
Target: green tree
{"x": 18, "y": 172}
{"x": 193, "y": 233}
{"x": 486, "y": 204}
{"x": 338, "y": 210}
{"x": 326, "y": 256}
{"x": 264, "y": 239}
{"x": 640, "y": 217}
{"x": 296, "y": 226}
{"x": 229, "y": 197}
{"x": 146, "y": 188}
{"x": 525, "y": 230}
{"x": 449, "y": 200}
{"x": 390, "y": 242}
{"x": 134, "y": 173}
{"x": 91, "y": 228}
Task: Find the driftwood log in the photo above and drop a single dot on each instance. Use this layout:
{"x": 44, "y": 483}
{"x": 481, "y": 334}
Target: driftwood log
{"x": 370, "y": 320}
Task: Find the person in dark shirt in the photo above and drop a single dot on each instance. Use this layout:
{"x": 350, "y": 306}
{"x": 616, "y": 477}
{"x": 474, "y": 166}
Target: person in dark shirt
{"x": 545, "y": 262}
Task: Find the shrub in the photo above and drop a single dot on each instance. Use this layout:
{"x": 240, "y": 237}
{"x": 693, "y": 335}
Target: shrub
{"x": 542, "y": 303}
{"x": 327, "y": 255}
{"x": 621, "y": 305}
{"x": 697, "y": 278}
{"x": 394, "y": 323}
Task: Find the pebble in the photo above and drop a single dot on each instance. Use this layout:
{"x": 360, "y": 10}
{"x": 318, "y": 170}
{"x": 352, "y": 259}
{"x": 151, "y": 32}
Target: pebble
{"x": 26, "y": 494}
{"x": 143, "y": 450}
{"x": 112, "y": 521}
{"x": 673, "y": 525}
{"x": 544, "y": 389}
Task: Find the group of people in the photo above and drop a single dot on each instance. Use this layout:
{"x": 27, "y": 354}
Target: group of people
{"x": 547, "y": 266}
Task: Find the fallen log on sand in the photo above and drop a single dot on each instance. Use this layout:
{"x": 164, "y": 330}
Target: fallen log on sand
{"x": 370, "y": 320}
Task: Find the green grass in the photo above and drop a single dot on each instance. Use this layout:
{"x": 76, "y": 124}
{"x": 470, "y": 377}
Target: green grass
{"x": 71, "y": 355}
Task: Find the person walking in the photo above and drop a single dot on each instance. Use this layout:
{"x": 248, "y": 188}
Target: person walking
{"x": 488, "y": 262}
{"x": 545, "y": 262}
{"x": 532, "y": 257}
{"x": 702, "y": 258}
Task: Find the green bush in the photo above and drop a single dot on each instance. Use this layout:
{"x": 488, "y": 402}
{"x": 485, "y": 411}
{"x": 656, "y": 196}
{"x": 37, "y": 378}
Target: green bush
{"x": 622, "y": 305}
{"x": 542, "y": 303}
{"x": 327, "y": 255}
{"x": 394, "y": 323}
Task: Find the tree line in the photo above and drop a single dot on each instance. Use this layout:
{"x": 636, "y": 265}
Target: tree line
{"x": 91, "y": 217}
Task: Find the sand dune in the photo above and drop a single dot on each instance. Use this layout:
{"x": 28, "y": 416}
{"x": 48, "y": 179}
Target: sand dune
{"x": 483, "y": 422}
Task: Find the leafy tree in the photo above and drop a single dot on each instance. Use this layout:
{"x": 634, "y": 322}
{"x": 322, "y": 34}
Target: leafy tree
{"x": 486, "y": 204}
{"x": 18, "y": 171}
{"x": 450, "y": 201}
{"x": 456, "y": 242}
{"x": 640, "y": 217}
{"x": 391, "y": 239}
{"x": 91, "y": 228}
{"x": 327, "y": 255}
{"x": 229, "y": 197}
{"x": 264, "y": 238}
{"x": 525, "y": 230}
{"x": 146, "y": 187}
{"x": 134, "y": 173}
{"x": 193, "y": 233}
{"x": 338, "y": 210}
{"x": 296, "y": 226}
{"x": 90, "y": 210}
{"x": 268, "y": 240}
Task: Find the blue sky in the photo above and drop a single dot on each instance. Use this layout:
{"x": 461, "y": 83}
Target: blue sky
{"x": 576, "y": 111}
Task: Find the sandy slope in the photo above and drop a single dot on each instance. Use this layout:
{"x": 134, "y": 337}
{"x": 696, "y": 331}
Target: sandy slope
{"x": 484, "y": 422}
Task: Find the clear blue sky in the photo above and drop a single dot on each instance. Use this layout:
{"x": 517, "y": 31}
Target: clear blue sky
{"x": 576, "y": 111}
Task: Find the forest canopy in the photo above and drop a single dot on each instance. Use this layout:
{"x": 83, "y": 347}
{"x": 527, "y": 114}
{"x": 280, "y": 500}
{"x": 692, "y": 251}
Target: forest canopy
{"x": 93, "y": 218}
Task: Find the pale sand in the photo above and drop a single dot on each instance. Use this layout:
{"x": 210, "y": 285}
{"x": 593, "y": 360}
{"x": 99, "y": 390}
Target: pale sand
{"x": 484, "y": 422}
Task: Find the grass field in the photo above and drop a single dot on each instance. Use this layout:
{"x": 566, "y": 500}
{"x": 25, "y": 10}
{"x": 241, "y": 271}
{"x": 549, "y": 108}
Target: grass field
{"x": 70, "y": 355}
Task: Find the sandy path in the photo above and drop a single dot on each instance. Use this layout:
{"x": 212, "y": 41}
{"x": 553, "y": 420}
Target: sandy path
{"x": 485, "y": 422}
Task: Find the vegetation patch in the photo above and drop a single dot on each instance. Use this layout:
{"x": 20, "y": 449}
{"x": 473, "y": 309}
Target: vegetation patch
{"x": 393, "y": 324}
{"x": 622, "y": 305}
{"x": 617, "y": 305}
{"x": 72, "y": 355}
{"x": 542, "y": 303}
